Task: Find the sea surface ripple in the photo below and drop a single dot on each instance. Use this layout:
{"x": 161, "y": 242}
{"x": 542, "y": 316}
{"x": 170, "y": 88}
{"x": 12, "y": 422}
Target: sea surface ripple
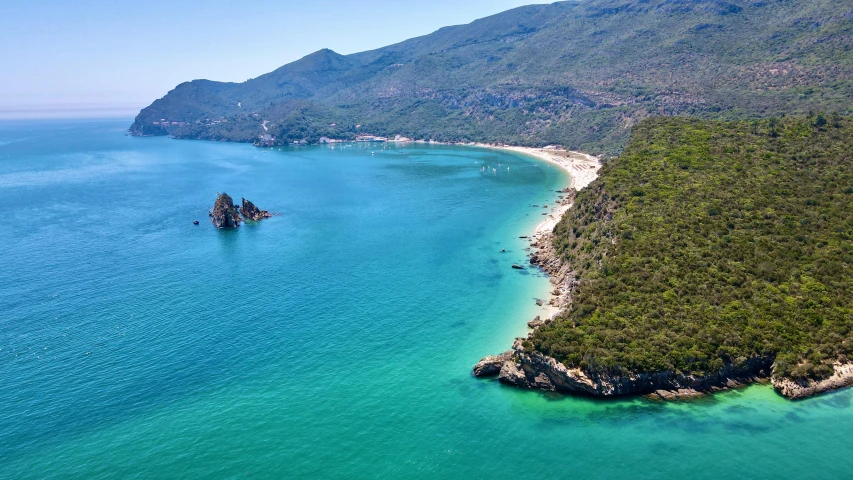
{"x": 332, "y": 341}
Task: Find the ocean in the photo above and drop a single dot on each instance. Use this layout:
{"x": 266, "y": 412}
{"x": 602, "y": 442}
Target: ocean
{"x": 334, "y": 340}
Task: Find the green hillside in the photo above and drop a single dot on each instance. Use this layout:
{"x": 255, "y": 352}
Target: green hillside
{"x": 707, "y": 244}
{"x": 573, "y": 73}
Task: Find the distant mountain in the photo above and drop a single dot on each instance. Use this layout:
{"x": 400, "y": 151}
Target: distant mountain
{"x": 576, "y": 73}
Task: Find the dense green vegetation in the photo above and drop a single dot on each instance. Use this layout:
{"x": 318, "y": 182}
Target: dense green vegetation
{"x": 708, "y": 243}
{"x": 575, "y": 73}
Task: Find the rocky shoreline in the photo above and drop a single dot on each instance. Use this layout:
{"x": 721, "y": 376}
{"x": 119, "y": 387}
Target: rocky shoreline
{"x": 533, "y": 370}
{"x": 545, "y": 257}
{"x": 841, "y": 378}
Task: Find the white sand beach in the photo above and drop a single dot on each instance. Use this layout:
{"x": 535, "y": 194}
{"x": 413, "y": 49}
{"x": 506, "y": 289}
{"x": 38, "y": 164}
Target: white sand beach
{"x": 583, "y": 169}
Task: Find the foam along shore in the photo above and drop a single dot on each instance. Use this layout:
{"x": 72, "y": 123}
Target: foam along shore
{"x": 583, "y": 170}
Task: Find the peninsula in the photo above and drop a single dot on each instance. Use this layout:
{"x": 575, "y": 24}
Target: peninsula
{"x": 709, "y": 255}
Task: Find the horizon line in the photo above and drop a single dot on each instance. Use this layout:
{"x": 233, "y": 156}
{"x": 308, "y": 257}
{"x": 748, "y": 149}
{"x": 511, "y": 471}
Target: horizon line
{"x": 57, "y": 112}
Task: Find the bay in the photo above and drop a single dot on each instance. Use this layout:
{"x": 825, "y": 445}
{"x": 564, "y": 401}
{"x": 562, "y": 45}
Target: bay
{"x": 334, "y": 340}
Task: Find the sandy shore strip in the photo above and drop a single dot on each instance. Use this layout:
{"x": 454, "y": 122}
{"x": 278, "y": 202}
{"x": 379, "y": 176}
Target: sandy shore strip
{"x": 583, "y": 170}
{"x": 582, "y": 167}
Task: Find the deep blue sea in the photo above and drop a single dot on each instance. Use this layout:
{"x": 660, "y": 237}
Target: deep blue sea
{"x": 332, "y": 341}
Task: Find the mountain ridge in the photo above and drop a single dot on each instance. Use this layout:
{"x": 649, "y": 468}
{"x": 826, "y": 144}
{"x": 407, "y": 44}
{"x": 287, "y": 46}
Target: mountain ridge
{"x": 580, "y": 74}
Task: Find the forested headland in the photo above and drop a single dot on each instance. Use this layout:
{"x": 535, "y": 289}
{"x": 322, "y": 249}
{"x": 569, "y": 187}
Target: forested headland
{"x": 708, "y": 244}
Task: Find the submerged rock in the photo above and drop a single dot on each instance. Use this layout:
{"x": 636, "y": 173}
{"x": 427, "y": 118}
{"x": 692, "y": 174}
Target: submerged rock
{"x": 680, "y": 394}
{"x": 251, "y": 212}
{"x": 224, "y": 213}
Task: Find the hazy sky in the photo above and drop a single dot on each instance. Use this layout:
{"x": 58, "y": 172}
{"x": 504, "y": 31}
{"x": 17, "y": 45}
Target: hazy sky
{"x": 119, "y": 56}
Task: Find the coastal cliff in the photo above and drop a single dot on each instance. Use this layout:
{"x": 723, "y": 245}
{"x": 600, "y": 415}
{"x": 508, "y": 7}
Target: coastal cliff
{"x": 534, "y": 370}
{"x": 525, "y": 369}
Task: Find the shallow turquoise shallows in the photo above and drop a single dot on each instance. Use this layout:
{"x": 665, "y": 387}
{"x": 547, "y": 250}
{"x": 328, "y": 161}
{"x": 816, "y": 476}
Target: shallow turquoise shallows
{"x": 332, "y": 341}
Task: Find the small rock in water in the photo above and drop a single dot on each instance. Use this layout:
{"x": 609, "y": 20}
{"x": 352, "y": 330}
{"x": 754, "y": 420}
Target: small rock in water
{"x": 251, "y": 212}
{"x": 535, "y": 323}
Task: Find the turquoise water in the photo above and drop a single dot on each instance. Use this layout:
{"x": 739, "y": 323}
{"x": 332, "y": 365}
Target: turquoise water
{"x": 333, "y": 341}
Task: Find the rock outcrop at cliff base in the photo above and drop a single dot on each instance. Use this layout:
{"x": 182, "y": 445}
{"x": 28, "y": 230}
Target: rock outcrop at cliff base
{"x": 536, "y": 371}
{"x": 224, "y": 213}
{"x": 841, "y": 378}
{"x": 533, "y": 370}
{"x": 491, "y": 365}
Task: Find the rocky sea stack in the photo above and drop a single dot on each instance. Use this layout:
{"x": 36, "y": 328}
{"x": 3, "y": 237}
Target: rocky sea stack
{"x": 224, "y": 213}
{"x": 251, "y": 212}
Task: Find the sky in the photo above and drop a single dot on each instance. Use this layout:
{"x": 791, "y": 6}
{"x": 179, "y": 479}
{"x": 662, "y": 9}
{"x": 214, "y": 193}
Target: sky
{"x": 101, "y": 58}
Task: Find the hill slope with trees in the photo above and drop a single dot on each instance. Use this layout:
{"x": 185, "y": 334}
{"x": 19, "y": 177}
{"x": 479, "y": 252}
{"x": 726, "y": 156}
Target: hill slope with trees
{"x": 578, "y": 73}
{"x": 710, "y": 245}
